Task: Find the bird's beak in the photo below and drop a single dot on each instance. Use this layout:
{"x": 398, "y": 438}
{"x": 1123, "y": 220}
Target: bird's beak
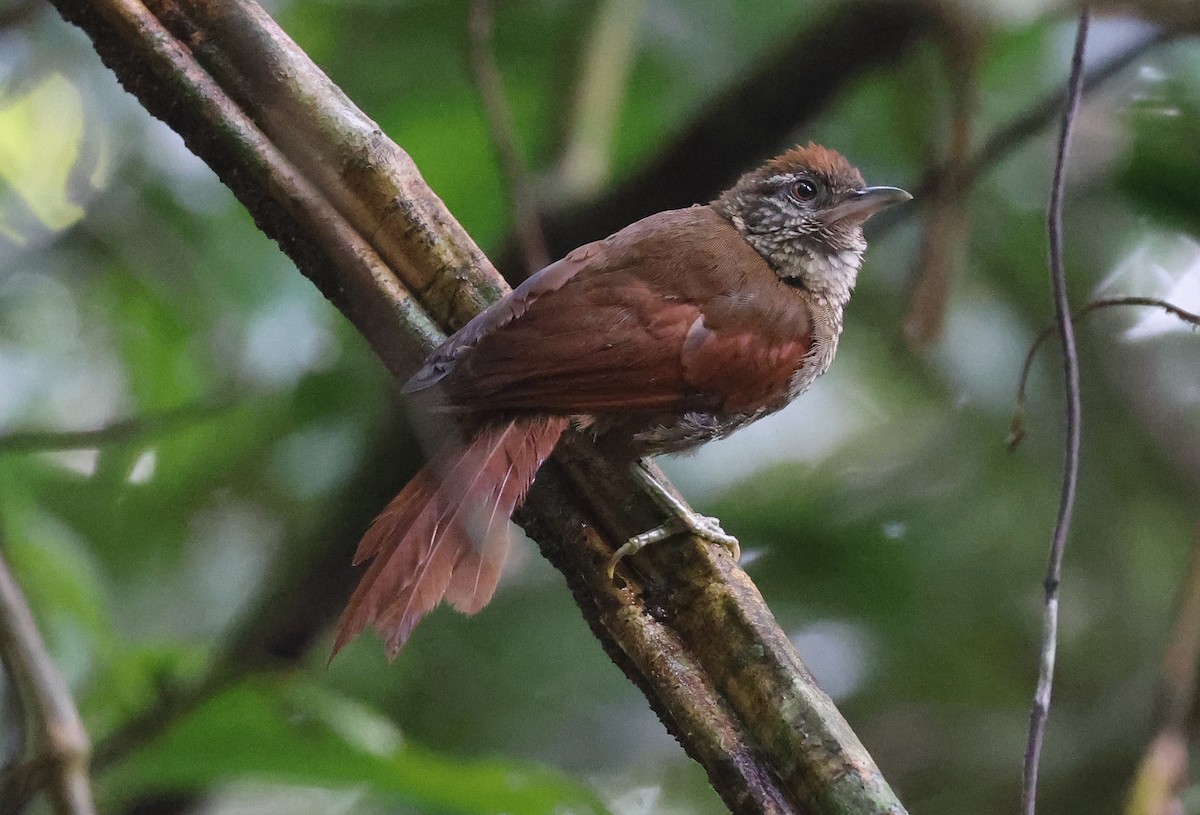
{"x": 862, "y": 204}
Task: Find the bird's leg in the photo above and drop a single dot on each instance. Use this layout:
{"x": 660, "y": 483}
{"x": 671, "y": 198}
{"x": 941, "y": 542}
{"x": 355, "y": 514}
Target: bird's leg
{"x": 682, "y": 519}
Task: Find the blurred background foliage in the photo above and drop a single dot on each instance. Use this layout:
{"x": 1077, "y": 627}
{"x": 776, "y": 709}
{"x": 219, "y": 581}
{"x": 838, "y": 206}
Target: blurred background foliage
{"x": 186, "y": 562}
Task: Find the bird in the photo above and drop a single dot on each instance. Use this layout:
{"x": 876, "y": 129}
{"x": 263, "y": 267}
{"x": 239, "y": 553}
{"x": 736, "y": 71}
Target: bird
{"x": 676, "y": 330}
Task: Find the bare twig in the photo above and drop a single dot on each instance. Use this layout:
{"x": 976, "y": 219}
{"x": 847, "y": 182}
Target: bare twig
{"x": 124, "y": 430}
{"x": 56, "y": 746}
{"x": 1062, "y": 313}
{"x": 1017, "y": 431}
{"x": 528, "y": 219}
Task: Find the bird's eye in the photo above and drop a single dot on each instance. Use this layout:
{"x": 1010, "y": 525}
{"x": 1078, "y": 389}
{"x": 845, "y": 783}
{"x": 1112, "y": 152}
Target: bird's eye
{"x": 803, "y": 190}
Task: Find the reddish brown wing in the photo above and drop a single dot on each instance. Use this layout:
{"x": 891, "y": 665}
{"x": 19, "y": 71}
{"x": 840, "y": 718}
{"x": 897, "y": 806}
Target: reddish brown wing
{"x": 675, "y": 312}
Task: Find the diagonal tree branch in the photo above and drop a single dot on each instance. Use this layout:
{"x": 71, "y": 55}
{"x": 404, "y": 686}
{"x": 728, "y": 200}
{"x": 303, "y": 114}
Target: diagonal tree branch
{"x": 349, "y": 206}
{"x": 57, "y": 744}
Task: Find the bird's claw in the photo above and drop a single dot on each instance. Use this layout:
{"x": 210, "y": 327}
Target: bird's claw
{"x": 710, "y": 529}
{"x": 702, "y": 526}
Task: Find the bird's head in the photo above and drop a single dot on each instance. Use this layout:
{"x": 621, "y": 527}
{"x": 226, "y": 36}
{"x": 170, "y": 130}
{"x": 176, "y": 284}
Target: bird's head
{"x": 804, "y": 212}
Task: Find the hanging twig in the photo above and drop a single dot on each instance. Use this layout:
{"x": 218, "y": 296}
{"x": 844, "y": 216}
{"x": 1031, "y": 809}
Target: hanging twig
{"x": 528, "y": 220}
{"x": 1017, "y": 432}
{"x": 1066, "y": 330}
{"x": 56, "y": 749}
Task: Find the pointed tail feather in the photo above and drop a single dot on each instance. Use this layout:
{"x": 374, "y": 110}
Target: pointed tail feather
{"x": 478, "y": 571}
{"x": 423, "y": 544}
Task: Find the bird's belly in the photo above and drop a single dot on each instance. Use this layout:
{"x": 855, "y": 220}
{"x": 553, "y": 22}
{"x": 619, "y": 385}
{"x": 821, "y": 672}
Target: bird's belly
{"x": 654, "y": 434}
{"x": 689, "y": 430}
{"x": 663, "y": 432}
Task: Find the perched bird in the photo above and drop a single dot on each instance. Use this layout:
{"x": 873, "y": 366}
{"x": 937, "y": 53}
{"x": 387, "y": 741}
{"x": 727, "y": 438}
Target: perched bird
{"x": 677, "y": 330}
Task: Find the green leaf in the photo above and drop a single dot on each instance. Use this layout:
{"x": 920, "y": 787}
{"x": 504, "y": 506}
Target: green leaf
{"x": 272, "y": 730}
{"x": 41, "y": 133}
{"x": 136, "y": 677}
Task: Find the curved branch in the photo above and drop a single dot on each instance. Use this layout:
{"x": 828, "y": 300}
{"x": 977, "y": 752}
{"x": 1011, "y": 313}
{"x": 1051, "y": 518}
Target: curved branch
{"x": 350, "y": 207}
{"x": 1017, "y": 432}
{"x": 57, "y": 744}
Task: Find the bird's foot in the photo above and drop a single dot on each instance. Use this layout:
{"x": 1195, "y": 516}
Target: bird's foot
{"x": 709, "y": 528}
{"x": 702, "y": 526}
{"x": 681, "y": 519}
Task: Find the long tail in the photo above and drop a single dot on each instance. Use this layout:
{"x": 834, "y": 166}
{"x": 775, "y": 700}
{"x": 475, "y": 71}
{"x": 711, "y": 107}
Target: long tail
{"x": 446, "y": 533}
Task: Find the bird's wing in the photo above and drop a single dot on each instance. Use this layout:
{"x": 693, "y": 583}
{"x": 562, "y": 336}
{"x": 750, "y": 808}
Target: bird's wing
{"x": 676, "y": 312}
